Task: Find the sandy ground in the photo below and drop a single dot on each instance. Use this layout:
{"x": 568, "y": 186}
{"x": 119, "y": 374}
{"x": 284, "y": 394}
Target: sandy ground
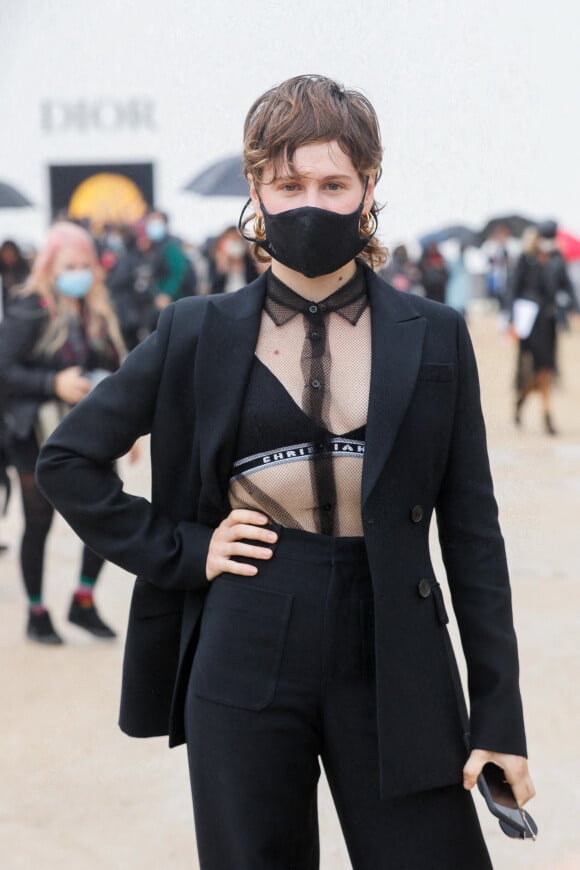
{"x": 75, "y": 793}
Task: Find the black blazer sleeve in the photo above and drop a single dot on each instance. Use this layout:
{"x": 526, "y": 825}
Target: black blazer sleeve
{"x": 474, "y": 555}
{"x": 75, "y": 471}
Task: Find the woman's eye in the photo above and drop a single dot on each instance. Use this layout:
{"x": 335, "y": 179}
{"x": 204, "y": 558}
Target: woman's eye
{"x": 334, "y": 185}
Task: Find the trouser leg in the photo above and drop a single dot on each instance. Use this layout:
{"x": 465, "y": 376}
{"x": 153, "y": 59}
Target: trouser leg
{"x": 432, "y": 830}
{"x": 252, "y": 720}
{"x": 254, "y": 781}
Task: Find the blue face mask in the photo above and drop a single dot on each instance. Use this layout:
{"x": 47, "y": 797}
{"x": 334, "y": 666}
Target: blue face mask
{"x": 75, "y": 282}
{"x": 114, "y": 243}
{"x": 156, "y": 230}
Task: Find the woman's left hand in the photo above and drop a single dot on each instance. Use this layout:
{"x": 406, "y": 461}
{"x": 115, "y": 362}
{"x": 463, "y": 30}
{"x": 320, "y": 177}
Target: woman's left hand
{"x": 515, "y": 768}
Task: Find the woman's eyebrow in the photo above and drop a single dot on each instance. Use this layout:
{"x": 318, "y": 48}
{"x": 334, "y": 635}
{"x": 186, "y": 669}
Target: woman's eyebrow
{"x": 301, "y": 176}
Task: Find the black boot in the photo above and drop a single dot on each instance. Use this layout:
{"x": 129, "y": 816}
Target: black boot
{"x": 41, "y": 630}
{"x": 85, "y": 615}
{"x": 549, "y": 425}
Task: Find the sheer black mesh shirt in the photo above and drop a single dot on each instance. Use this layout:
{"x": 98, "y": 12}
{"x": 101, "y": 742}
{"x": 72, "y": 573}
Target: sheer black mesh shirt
{"x": 301, "y": 436}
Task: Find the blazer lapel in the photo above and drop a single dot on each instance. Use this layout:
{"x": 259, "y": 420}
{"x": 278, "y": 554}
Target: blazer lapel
{"x": 397, "y": 332}
{"x": 224, "y": 358}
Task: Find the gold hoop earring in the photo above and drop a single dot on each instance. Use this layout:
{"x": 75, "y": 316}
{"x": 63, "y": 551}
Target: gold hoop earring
{"x": 367, "y": 226}
{"x": 259, "y": 228}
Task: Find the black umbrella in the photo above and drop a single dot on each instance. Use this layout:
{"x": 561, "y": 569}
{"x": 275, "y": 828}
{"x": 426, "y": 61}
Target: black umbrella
{"x": 464, "y": 235}
{"x": 12, "y": 198}
{"x": 515, "y": 224}
{"x": 224, "y": 178}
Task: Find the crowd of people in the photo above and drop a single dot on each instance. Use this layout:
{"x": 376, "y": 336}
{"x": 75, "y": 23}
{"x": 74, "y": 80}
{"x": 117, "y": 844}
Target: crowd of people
{"x": 69, "y": 314}
{"x": 147, "y": 267}
{"x": 533, "y": 291}
{"x": 55, "y": 339}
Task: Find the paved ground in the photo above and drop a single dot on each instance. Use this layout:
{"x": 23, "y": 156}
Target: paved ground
{"x": 75, "y": 794}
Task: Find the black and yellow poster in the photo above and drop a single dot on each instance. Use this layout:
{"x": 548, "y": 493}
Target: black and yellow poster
{"x": 102, "y": 193}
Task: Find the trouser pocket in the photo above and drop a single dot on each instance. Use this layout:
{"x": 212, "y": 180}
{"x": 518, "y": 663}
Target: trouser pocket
{"x": 242, "y": 636}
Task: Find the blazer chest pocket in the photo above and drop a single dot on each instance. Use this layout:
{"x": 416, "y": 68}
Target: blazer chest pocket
{"x": 438, "y": 372}
{"x": 241, "y": 641}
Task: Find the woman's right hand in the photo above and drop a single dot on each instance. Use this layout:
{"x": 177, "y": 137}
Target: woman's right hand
{"x": 226, "y": 541}
{"x": 70, "y": 386}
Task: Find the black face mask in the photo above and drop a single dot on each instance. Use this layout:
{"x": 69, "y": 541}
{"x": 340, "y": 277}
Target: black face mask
{"x": 313, "y": 241}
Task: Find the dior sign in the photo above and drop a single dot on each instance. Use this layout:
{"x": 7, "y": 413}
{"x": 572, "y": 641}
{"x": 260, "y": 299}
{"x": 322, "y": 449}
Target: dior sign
{"x": 104, "y": 115}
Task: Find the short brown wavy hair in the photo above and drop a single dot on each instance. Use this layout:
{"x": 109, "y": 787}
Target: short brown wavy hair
{"x": 313, "y": 108}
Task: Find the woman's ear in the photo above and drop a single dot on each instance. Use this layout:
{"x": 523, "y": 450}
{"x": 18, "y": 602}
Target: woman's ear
{"x": 370, "y": 194}
{"x": 254, "y": 196}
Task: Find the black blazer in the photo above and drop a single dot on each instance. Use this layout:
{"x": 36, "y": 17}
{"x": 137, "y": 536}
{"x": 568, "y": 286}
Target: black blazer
{"x": 425, "y": 451}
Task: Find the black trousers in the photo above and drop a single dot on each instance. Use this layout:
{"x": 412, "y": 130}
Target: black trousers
{"x": 283, "y": 676}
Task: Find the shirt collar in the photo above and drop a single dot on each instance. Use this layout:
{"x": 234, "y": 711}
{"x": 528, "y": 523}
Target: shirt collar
{"x": 282, "y": 303}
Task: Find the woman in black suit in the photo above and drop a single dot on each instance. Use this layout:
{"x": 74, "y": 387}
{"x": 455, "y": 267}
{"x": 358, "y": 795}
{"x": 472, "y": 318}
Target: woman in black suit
{"x": 303, "y": 432}
{"x": 58, "y": 335}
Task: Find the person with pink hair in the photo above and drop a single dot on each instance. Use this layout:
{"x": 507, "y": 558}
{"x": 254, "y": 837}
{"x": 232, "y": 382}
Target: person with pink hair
{"x": 58, "y": 338}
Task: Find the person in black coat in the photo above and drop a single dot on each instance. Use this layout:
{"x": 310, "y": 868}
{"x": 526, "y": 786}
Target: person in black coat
{"x": 304, "y": 431}
{"x": 541, "y": 278}
{"x": 14, "y": 270}
{"x": 434, "y": 273}
{"x": 58, "y": 336}
{"x": 130, "y": 283}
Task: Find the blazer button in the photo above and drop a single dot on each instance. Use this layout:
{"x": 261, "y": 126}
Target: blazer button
{"x": 424, "y": 588}
{"x": 417, "y": 513}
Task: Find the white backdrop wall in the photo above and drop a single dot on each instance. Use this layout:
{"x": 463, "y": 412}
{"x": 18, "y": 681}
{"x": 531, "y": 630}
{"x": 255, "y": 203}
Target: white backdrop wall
{"x": 478, "y": 102}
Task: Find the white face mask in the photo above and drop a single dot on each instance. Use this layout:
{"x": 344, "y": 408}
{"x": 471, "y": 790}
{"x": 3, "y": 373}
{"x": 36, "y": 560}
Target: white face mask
{"x": 235, "y": 249}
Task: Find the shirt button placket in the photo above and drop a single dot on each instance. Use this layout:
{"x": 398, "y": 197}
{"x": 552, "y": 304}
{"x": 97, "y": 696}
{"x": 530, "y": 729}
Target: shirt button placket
{"x": 316, "y": 341}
